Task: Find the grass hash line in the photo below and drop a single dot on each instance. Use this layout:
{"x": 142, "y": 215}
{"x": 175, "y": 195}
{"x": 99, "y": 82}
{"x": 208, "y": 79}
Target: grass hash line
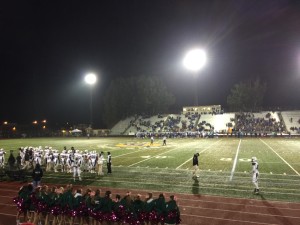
{"x": 280, "y": 157}
{"x": 212, "y": 187}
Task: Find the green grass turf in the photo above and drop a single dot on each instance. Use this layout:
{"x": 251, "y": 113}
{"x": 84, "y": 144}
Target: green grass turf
{"x": 136, "y": 165}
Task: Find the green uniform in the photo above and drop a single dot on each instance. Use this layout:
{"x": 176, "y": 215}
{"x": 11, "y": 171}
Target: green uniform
{"x": 172, "y": 212}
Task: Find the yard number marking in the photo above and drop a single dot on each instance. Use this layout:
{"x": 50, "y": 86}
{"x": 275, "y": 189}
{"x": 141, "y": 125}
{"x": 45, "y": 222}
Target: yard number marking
{"x": 226, "y": 159}
{"x": 241, "y": 159}
{"x": 156, "y": 157}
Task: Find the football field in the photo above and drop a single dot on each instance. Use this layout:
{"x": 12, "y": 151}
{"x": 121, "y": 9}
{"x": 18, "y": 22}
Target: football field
{"x": 224, "y": 164}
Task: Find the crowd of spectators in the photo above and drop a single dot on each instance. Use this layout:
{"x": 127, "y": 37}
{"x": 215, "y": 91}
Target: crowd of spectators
{"x": 143, "y": 124}
{"x": 295, "y": 128}
{"x": 247, "y": 123}
{"x": 190, "y": 123}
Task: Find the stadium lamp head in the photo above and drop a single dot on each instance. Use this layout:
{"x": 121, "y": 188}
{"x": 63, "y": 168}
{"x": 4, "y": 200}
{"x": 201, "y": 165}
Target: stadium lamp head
{"x": 90, "y": 78}
{"x": 195, "y": 59}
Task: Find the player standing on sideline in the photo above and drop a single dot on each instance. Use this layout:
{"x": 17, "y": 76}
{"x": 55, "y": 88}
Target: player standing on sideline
{"x": 37, "y": 175}
{"x": 164, "y": 141}
{"x": 100, "y": 163}
{"x": 108, "y": 163}
{"x": 2, "y": 159}
{"x": 255, "y": 174}
{"x": 76, "y": 163}
{"x": 151, "y": 140}
{"x": 195, "y": 165}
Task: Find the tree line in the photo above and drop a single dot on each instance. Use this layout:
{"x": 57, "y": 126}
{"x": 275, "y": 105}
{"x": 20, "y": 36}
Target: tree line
{"x": 149, "y": 95}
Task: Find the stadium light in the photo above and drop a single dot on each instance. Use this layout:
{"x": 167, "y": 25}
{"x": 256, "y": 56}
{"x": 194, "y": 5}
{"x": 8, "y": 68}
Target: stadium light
{"x": 91, "y": 79}
{"x": 194, "y": 61}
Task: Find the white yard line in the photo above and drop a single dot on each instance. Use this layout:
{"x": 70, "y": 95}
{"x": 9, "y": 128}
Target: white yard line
{"x": 235, "y": 160}
{"x": 199, "y": 153}
{"x": 126, "y": 154}
{"x": 155, "y": 156}
{"x": 280, "y": 157}
{"x": 151, "y": 157}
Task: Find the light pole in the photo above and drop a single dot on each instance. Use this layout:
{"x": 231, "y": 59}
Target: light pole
{"x": 194, "y": 61}
{"x": 91, "y": 79}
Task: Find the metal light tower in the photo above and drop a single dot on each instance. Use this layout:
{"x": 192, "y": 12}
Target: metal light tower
{"x": 91, "y": 79}
{"x": 194, "y": 61}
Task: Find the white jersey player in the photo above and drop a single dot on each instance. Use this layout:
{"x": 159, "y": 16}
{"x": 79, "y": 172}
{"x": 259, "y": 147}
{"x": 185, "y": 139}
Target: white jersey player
{"x": 255, "y": 174}
{"x": 92, "y": 162}
{"x": 63, "y": 161}
{"x": 85, "y": 161}
{"x": 56, "y": 161}
{"x": 2, "y": 158}
{"x": 69, "y": 160}
{"x": 100, "y": 163}
{"x": 49, "y": 162}
{"x": 37, "y": 157}
{"x": 76, "y": 164}
{"x": 22, "y": 154}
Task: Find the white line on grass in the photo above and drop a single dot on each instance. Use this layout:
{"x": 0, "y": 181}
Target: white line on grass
{"x": 199, "y": 153}
{"x": 280, "y": 157}
{"x": 150, "y": 158}
{"x": 127, "y": 154}
{"x": 154, "y": 156}
{"x": 235, "y": 160}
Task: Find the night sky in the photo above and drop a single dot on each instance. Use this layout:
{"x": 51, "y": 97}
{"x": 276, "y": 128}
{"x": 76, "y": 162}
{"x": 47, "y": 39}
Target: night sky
{"x": 48, "y": 46}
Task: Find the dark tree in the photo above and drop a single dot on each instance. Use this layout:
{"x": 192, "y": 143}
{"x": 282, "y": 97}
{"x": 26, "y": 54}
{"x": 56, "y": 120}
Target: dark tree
{"x": 136, "y": 95}
{"x": 247, "y": 96}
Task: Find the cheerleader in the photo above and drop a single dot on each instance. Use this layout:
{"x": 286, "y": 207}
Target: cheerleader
{"x": 173, "y": 213}
{"x": 139, "y": 209}
{"x": 149, "y": 208}
{"x": 160, "y": 208}
{"x": 23, "y": 202}
{"x": 41, "y": 211}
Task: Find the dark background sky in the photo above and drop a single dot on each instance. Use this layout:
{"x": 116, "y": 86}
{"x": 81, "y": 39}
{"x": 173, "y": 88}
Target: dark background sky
{"x": 48, "y": 46}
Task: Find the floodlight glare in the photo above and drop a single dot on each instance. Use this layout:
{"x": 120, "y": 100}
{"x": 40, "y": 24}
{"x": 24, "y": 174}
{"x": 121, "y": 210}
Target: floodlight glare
{"x": 195, "y": 59}
{"x": 90, "y": 78}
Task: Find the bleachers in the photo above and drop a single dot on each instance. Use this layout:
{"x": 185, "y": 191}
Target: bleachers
{"x": 121, "y": 126}
{"x": 148, "y": 124}
{"x": 265, "y": 122}
{"x": 219, "y": 121}
{"x": 291, "y": 119}
{"x": 268, "y": 122}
